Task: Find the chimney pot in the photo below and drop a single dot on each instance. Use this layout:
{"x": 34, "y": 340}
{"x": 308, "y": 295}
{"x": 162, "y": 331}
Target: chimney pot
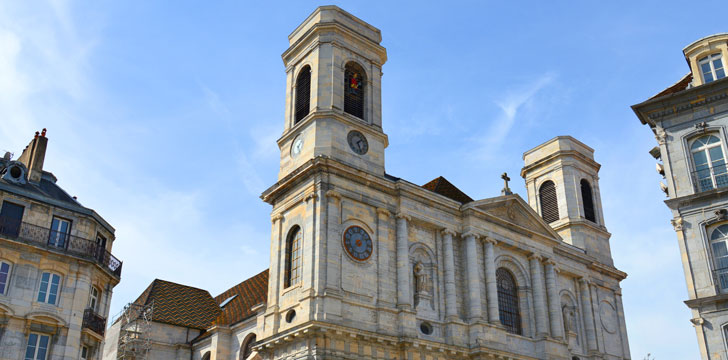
{"x": 36, "y": 134}
{"x": 43, "y": 133}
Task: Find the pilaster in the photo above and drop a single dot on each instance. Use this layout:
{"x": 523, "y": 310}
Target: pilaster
{"x": 586, "y": 309}
{"x": 475, "y": 311}
{"x": 539, "y": 296}
{"x": 556, "y": 320}
{"x": 491, "y": 285}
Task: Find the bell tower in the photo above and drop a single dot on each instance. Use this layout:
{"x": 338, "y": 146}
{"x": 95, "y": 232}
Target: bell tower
{"x": 562, "y": 182}
{"x": 333, "y": 93}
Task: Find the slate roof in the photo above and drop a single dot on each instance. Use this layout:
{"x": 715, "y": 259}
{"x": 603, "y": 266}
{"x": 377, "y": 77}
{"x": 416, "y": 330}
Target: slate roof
{"x": 441, "y": 186}
{"x": 677, "y": 87}
{"x": 180, "y": 305}
{"x": 248, "y": 293}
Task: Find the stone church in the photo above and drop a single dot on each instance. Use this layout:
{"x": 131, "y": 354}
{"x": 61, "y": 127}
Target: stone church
{"x": 366, "y": 265}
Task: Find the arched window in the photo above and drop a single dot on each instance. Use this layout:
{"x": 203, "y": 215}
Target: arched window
{"x": 354, "y": 81}
{"x": 588, "y": 200}
{"x": 710, "y": 169}
{"x": 293, "y": 257}
{"x": 247, "y": 348}
{"x": 206, "y": 356}
{"x": 510, "y": 315}
{"x": 303, "y": 93}
{"x": 719, "y": 242}
{"x": 549, "y": 204}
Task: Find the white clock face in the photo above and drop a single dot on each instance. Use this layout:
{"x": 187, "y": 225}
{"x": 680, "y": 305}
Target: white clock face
{"x": 297, "y": 146}
{"x": 357, "y": 142}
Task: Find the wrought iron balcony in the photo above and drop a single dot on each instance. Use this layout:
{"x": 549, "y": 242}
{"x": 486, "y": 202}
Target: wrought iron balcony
{"x": 94, "y": 321}
{"x": 59, "y": 242}
{"x": 710, "y": 178}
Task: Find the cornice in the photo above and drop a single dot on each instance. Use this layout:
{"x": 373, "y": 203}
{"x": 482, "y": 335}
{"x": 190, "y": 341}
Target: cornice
{"x": 653, "y": 110}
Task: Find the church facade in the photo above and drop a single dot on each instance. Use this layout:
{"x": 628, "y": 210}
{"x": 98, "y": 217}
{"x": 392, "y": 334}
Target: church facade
{"x": 366, "y": 265}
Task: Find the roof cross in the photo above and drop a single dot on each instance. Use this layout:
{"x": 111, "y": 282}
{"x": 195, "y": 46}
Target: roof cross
{"x": 506, "y": 190}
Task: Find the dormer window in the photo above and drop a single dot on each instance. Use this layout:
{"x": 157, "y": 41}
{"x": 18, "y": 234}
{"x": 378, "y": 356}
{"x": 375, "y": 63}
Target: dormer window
{"x": 712, "y": 68}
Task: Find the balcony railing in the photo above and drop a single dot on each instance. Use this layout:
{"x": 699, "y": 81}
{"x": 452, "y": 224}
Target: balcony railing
{"x": 59, "y": 242}
{"x": 94, "y": 321}
{"x": 710, "y": 178}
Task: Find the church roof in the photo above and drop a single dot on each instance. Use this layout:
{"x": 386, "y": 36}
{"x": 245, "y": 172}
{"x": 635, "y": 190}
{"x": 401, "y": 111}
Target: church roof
{"x": 441, "y": 186}
{"x": 241, "y": 298}
{"x": 677, "y": 87}
{"x": 180, "y": 305}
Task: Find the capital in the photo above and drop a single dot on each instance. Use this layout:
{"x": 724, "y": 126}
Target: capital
{"x": 333, "y": 194}
{"x": 472, "y": 233}
{"x": 677, "y": 223}
{"x": 448, "y": 231}
{"x": 488, "y": 239}
{"x": 584, "y": 282}
{"x": 535, "y": 256}
{"x": 310, "y": 196}
{"x": 277, "y": 217}
{"x": 383, "y": 212}
{"x": 401, "y": 215}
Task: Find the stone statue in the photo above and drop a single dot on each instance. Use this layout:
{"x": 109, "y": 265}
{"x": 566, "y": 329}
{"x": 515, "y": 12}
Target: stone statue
{"x": 422, "y": 281}
{"x": 569, "y": 319}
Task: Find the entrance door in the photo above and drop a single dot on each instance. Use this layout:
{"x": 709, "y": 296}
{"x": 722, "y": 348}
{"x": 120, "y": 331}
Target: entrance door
{"x": 11, "y": 216}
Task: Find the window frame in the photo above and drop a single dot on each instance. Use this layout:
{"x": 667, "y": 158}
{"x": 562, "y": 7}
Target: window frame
{"x": 6, "y": 285}
{"x": 354, "y": 66}
{"x": 48, "y": 287}
{"x": 709, "y": 60}
{"x": 36, "y": 346}
{"x": 293, "y": 258}
{"x": 720, "y": 273}
{"x": 541, "y": 199}
{"x": 515, "y": 303}
{"x": 93, "y": 300}
{"x": 300, "y": 101}
{"x": 705, "y": 148}
{"x": 248, "y": 342}
{"x": 88, "y": 352}
{"x": 590, "y": 201}
{"x": 55, "y": 235}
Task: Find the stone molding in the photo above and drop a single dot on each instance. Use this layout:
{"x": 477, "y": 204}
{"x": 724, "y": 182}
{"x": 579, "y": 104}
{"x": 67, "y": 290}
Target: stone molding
{"x": 333, "y": 194}
{"x": 383, "y": 212}
{"x": 677, "y": 223}
{"x": 449, "y": 231}
{"x": 401, "y": 215}
{"x": 472, "y": 233}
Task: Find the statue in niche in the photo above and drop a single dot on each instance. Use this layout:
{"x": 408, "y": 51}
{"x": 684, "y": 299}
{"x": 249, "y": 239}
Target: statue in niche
{"x": 569, "y": 319}
{"x": 423, "y": 287}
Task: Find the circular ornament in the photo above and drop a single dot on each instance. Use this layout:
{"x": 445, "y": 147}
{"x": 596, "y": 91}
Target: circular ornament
{"x": 357, "y": 142}
{"x": 297, "y": 146}
{"x": 358, "y": 243}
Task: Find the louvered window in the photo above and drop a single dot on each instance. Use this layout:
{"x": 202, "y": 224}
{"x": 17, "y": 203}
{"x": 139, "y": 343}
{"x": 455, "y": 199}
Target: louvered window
{"x": 303, "y": 93}
{"x": 354, "y": 81}
{"x": 293, "y": 257}
{"x": 510, "y": 315}
{"x": 549, "y": 204}
{"x": 586, "y": 197}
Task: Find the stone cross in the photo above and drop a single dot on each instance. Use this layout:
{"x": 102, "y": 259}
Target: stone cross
{"x": 506, "y": 190}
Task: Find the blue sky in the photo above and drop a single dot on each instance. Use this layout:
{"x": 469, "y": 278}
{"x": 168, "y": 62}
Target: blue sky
{"x": 163, "y": 117}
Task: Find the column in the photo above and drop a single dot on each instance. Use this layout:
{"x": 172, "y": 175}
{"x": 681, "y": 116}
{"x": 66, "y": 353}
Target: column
{"x": 475, "y": 311}
{"x": 491, "y": 286}
{"x": 451, "y": 311}
{"x": 539, "y": 297}
{"x": 622, "y": 325}
{"x": 552, "y": 290}
{"x": 586, "y": 310}
{"x": 404, "y": 300}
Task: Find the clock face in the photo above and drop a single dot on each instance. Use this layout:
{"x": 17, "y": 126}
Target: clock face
{"x": 358, "y": 142}
{"x": 358, "y": 243}
{"x": 297, "y": 146}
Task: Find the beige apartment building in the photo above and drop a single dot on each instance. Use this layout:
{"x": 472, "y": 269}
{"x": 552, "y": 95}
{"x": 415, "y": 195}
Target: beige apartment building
{"x": 56, "y": 268}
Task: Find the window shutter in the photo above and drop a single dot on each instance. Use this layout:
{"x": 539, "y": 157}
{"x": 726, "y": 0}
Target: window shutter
{"x": 549, "y": 204}
{"x": 303, "y": 93}
{"x": 588, "y": 200}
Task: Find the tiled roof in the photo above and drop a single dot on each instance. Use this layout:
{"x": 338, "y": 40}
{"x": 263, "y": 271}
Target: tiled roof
{"x": 247, "y": 294}
{"x": 180, "y": 305}
{"x": 677, "y": 87}
{"x": 445, "y": 188}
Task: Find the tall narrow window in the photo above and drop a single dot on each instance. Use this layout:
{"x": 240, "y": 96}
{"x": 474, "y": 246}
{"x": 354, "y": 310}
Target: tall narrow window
{"x": 510, "y": 315}
{"x": 588, "y": 200}
{"x": 4, "y": 277}
{"x": 247, "y": 347}
{"x": 93, "y": 301}
{"x": 37, "y": 348}
{"x": 11, "y": 216}
{"x": 84, "y": 352}
{"x": 303, "y": 93}
{"x": 60, "y": 229}
{"x": 549, "y": 204}
{"x": 719, "y": 244}
{"x": 49, "y": 286}
{"x": 206, "y": 356}
{"x": 354, "y": 81}
{"x": 710, "y": 168}
{"x": 711, "y": 67}
{"x": 293, "y": 257}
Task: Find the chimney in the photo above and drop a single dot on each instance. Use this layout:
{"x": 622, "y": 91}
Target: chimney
{"x": 33, "y": 156}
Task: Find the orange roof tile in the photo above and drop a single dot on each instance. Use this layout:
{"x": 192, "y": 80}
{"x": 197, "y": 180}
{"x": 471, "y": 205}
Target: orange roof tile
{"x": 180, "y": 305}
{"x": 247, "y": 294}
{"x": 441, "y": 186}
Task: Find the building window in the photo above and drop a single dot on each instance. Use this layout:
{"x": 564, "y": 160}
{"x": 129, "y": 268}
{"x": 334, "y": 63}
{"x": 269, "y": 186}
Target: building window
{"x": 354, "y": 81}
{"x": 4, "y": 277}
{"x": 206, "y": 356}
{"x": 549, "y": 204}
{"x": 84, "y": 353}
{"x": 710, "y": 168}
{"x": 37, "y": 348}
{"x": 293, "y": 257}
{"x": 719, "y": 244}
{"x": 510, "y": 315}
{"x": 49, "y": 285}
{"x": 711, "y": 67}
{"x": 11, "y": 216}
{"x": 247, "y": 347}
{"x": 94, "y": 299}
{"x": 303, "y": 93}
{"x": 588, "y": 201}
{"x": 60, "y": 229}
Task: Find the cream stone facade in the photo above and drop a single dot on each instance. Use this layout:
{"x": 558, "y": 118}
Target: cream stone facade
{"x": 56, "y": 269}
{"x": 689, "y": 121}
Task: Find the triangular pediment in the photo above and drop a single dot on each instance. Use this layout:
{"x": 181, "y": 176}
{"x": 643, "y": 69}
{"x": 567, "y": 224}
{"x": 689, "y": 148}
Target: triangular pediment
{"x": 513, "y": 211}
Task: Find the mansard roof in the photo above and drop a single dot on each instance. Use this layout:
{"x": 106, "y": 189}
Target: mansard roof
{"x": 441, "y": 186}
{"x": 245, "y": 296}
{"x": 681, "y": 85}
{"x": 180, "y": 305}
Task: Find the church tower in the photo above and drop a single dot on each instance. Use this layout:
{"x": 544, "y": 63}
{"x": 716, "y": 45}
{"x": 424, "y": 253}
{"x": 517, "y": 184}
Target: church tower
{"x": 333, "y": 93}
{"x": 562, "y": 182}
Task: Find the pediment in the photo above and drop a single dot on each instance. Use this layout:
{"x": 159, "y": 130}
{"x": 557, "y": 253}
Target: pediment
{"x": 512, "y": 210}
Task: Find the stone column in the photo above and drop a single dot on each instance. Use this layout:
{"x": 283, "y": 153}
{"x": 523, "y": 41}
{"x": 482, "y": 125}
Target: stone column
{"x": 491, "y": 286}
{"x": 451, "y": 311}
{"x": 475, "y": 311}
{"x": 404, "y": 300}
{"x": 539, "y": 297}
{"x": 552, "y": 290}
{"x": 622, "y": 324}
{"x": 586, "y": 310}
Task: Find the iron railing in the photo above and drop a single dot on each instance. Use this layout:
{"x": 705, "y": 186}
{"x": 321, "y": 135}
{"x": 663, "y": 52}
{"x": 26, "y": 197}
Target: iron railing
{"x": 94, "y": 321}
{"x": 710, "y": 178}
{"x": 59, "y": 242}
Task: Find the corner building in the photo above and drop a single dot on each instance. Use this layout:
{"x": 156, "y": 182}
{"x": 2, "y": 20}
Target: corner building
{"x": 57, "y": 272}
{"x": 689, "y": 121}
{"x": 365, "y": 265}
